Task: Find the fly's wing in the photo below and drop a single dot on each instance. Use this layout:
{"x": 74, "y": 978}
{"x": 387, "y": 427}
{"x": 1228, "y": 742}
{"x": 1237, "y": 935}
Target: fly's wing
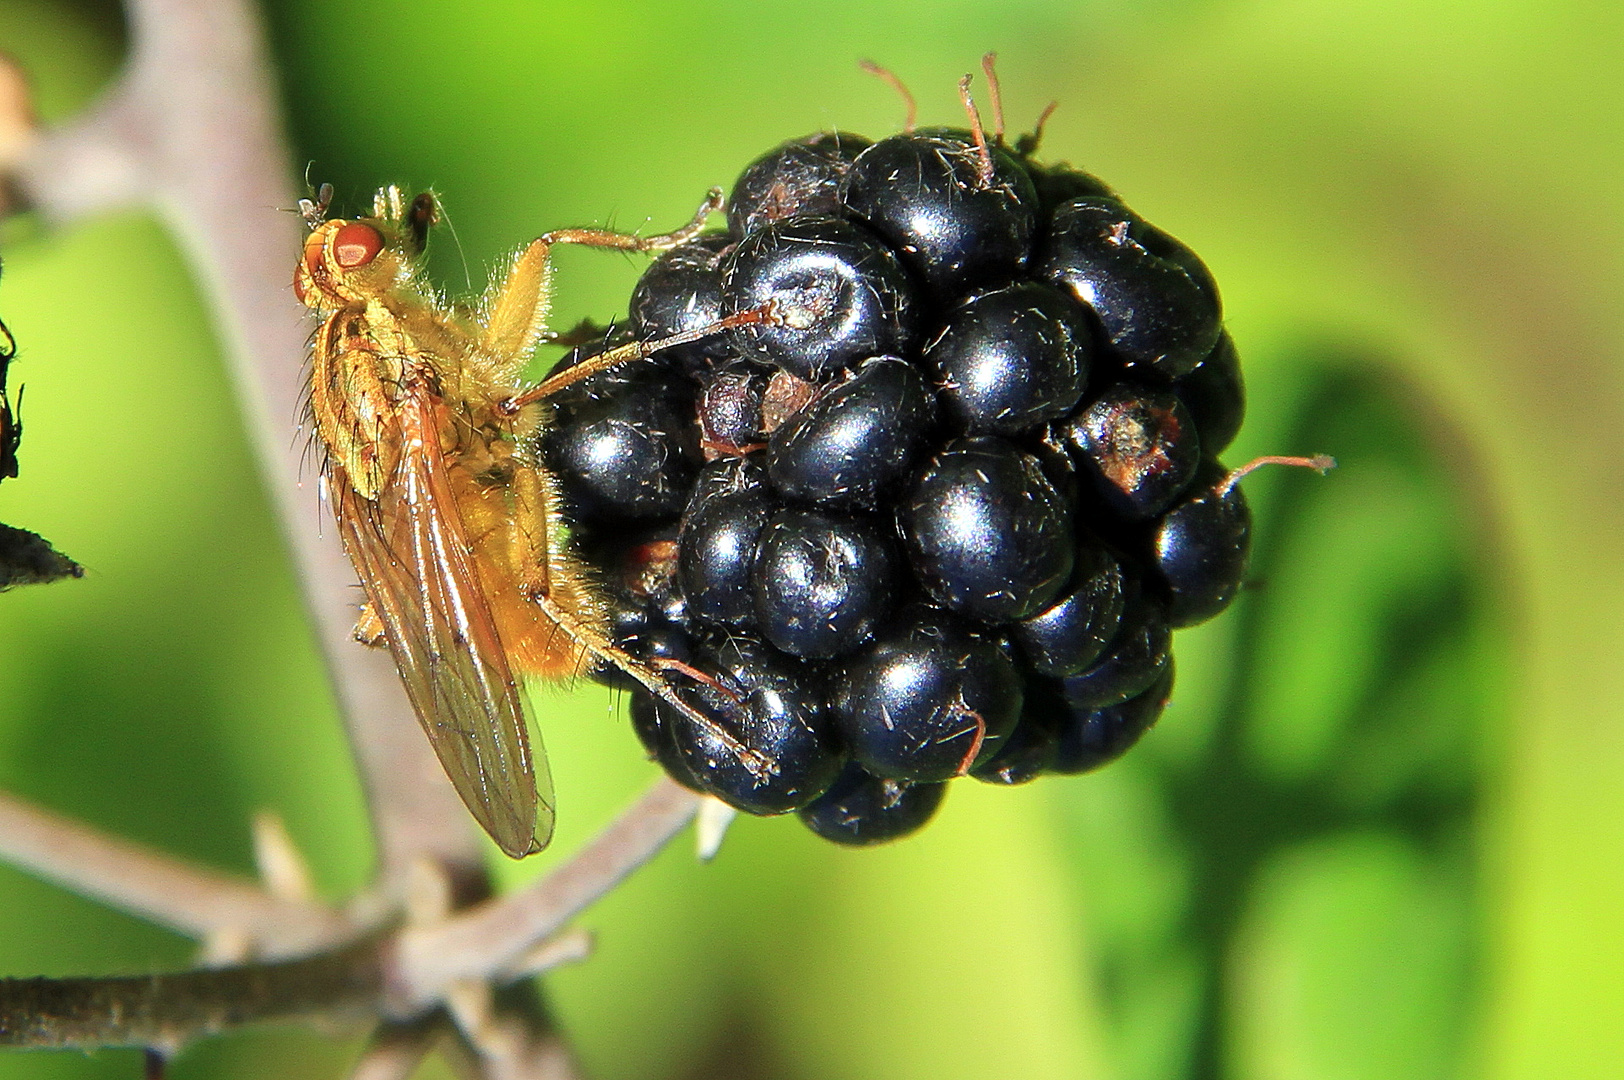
{"x": 412, "y": 554}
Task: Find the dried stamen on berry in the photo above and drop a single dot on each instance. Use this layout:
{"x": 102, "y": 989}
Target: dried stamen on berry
{"x": 1320, "y": 463}
{"x": 889, "y": 76}
{"x": 1028, "y": 144}
{"x": 989, "y": 68}
{"x": 984, "y": 155}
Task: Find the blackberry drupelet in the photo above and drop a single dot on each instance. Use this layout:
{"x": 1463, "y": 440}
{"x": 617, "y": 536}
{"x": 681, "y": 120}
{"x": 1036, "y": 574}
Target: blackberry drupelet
{"x": 961, "y": 215}
{"x": 959, "y": 483}
{"x": 1011, "y": 358}
{"x": 989, "y": 535}
{"x": 838, "y": 295}
{"x": 860, "y": 808}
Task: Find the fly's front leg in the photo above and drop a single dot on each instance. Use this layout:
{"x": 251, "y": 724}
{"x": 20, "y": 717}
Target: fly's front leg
{"x": 766, "y": 315}
{"x": 616, "y": 241}
{"x": 516, "y": 311}
{"x": 585, "y": 332}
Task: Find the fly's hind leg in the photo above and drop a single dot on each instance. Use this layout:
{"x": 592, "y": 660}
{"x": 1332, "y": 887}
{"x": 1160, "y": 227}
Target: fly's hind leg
{"x": 542, "y": 564}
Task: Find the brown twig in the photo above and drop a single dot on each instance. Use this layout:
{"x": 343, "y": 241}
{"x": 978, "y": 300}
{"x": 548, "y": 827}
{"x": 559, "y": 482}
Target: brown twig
{"x": 188, "y": 899}
{"x": 168, "y": 1011}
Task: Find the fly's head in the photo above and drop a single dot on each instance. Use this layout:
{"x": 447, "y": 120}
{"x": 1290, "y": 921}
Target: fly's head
{"x": 348, "y": 261}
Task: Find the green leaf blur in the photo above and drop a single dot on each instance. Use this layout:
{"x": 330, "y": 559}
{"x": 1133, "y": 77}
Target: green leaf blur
{"x": 1379, "y": 832}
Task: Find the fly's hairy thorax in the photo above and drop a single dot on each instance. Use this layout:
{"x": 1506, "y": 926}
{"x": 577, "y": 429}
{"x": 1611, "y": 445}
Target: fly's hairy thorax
{"x": 369, "y": 358}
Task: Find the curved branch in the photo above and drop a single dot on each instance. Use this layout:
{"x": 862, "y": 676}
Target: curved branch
{"x": 486, "y": 942}
{"x": 398, "y": 976}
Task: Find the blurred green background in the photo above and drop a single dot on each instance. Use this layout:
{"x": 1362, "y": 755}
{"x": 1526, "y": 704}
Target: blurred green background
{"x": 1379, "y": 833}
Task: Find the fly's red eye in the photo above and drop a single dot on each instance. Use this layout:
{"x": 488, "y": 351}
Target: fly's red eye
{"x": 356, "y": 244}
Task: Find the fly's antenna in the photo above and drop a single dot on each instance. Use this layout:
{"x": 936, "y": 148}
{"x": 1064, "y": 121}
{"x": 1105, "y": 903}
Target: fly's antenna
{"x": 314, "y": 211}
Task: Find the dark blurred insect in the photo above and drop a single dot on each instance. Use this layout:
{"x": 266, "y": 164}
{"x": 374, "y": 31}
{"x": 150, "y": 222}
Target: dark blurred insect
{"x": 26, "y": 558}
{"x": 441, "y": 501}
{"x": 11, "y": 424}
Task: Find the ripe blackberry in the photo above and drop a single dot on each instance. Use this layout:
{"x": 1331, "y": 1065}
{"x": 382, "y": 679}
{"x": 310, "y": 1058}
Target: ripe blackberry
{"x": 1067, "y": 638}
{"x": 1134, "y": 659}
{"x": 1031, "y": 748}
{"x": 926, "y": 701}
{"x": 682, "y": 291}
{"x": 1155, "y": 301}
{"x": 821, "y": 581}
{"x": 716, "y": 549}
{"x": 989, "y": 534}
{"x": 1088, "y": 737}
{"x": 623, "y": 443}
{"x": 1201, "y": 546}
{"x": 1056, "y": 184}
{"x": 765, "y": 748}
{"x": 731, "y": 402}
{"x": 653, "y": 730}
{"x": 1138, "y": 444}
{"x": 960, "y": 479}
{"x": 1214, "y": 394}
{"x": 857, "y": 439}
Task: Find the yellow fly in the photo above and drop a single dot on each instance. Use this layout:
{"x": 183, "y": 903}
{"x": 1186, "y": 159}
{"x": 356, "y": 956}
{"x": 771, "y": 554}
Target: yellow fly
{"x": 441, "y": 501}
